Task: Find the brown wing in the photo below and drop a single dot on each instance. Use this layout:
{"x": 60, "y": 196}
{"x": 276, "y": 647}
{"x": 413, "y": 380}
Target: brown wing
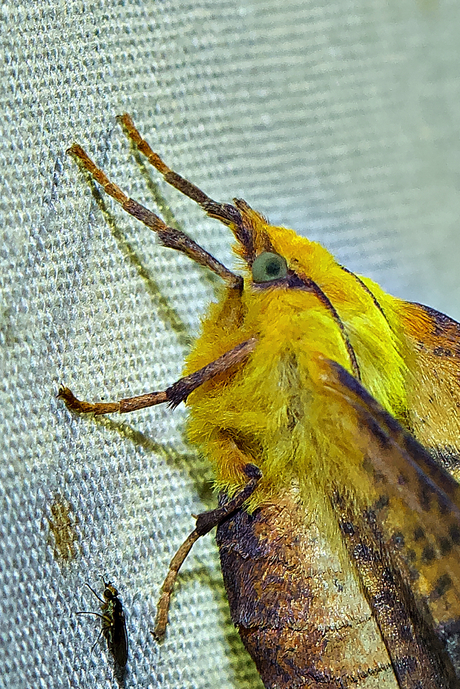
{"x": 433, "y": 388}
{"x": 406, "y": 547}
{"x": 302, "y": 619}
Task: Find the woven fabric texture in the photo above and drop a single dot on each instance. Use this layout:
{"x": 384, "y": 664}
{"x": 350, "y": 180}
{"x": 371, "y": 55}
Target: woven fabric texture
{"x": 336, "y": 117}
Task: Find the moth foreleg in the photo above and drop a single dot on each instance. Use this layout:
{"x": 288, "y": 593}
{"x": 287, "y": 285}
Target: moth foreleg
{"x": 174, "y": 395}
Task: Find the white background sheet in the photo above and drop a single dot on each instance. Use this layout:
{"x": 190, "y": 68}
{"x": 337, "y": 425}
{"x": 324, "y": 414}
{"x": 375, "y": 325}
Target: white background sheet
{"x": 339, "y": 118}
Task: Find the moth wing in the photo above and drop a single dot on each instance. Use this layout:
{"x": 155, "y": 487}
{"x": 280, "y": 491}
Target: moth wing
{"x": 433, "y": 389}
{"x": 406, "y": 546}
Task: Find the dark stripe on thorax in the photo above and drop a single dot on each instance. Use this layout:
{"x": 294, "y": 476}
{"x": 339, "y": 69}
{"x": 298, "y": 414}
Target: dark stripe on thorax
{"x": 294, "y": 280}
{"x": 362, "y": 284}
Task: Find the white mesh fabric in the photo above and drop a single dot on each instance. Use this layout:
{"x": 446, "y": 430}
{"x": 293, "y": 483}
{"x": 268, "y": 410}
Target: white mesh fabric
{"x": 338, "y": 118}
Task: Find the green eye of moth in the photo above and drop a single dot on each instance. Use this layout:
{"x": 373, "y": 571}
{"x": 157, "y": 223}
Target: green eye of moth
{"x": 269, "y": 266}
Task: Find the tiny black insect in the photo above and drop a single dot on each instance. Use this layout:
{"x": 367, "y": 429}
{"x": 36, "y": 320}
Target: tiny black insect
{"x": 113, "y": 623}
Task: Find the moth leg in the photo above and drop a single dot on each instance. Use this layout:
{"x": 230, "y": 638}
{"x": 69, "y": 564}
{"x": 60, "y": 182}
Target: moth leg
{"x": 204, "y": 523}
{"x": 174, "y": 395}
{"x": 169, "y": 237}
{"x": 226, "y": 213}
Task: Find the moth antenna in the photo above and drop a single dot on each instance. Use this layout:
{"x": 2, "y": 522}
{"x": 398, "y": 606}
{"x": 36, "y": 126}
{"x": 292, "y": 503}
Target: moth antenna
{"x": 226, "y": 213}
{"x": 168, "y": 236}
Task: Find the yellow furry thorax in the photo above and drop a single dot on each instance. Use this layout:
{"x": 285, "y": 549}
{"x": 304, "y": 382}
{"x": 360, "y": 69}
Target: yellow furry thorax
{"x": 273, "y": 410}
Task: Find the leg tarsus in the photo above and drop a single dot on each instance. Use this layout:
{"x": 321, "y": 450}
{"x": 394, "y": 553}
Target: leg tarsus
{"x": 204, "y": 523}
{"x": 128, "y": 404}
{"x": 83, "y": 407}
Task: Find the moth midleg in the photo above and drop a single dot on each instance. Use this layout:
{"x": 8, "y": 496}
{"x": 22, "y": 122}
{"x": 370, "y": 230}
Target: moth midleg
{"x": 173, "y": 395}
{"x": 204, "y": 523}
{"x": 169, "y": 236}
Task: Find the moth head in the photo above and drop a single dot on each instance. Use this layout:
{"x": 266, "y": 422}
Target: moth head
{"x": 273, "y": 256}
{"x": 286, "y": 268}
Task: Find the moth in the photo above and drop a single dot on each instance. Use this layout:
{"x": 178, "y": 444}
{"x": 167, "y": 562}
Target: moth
{"x": 113, "y": 624}
{"x": 329, "y": 411}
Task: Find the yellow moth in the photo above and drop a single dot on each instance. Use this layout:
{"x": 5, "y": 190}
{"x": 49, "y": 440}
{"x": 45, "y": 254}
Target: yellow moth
{"x": 330, "y": 413}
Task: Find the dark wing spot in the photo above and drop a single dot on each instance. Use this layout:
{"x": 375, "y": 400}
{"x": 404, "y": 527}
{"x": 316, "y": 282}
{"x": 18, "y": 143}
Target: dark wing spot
{"x": 454, "y": 533}
{"x": 419, "y": 533}
{"x": 428, "y": 555}
{"x": 442, "y": 585}
{"x": 402, "y": 479}
{"x": 445, "y": 545}
{"x": 441, "y": 351}
{"x": 381, "y": 503}
{"x": 363, "y": 553}
{"x": 348, "y": 528}
{"x": 387, "y": 576}
{"x": 411, "y": 555}
{"x": 398, "y": 540}
{"x": 443, "y": 505}
{"x": 386, "y": 597}
{"x": 406, "y": 632}
{"x": 405, "y": 664}
{"x": 425, "y": 495}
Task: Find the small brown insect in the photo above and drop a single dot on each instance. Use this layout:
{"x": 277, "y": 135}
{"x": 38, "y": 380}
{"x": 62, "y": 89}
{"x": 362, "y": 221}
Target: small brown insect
{"x": 113, "y": 623}
{"x": 62, "y": 525}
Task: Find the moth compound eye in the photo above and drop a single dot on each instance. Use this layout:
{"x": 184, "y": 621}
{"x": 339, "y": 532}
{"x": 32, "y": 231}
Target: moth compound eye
{"x": 268, "y": 267}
